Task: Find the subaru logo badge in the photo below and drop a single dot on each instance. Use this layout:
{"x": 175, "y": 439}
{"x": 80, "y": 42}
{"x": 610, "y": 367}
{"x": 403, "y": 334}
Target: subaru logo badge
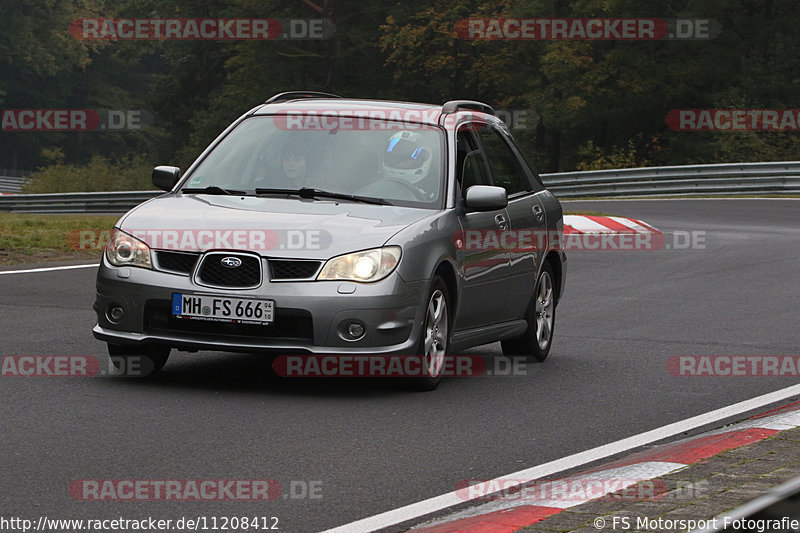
{"x": 231, "y": 262}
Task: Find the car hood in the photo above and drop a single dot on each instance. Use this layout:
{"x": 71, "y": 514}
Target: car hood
{"x": 275, "y": 227}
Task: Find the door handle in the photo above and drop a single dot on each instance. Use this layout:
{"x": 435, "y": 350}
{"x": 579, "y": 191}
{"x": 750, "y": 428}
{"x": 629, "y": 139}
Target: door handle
{"x": 538, "y": 212}
{"x": 501, "y": 221}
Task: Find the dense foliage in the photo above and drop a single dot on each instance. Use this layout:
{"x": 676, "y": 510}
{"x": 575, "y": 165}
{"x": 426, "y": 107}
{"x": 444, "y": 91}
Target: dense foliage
{"x": 588, "y": 104}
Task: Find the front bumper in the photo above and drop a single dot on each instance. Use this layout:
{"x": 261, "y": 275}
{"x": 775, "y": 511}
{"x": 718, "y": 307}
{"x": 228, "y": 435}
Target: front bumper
{"x": 308, "y": 315}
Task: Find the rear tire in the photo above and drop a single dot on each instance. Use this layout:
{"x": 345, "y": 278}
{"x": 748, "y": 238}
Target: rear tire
{"x": 434, "y": 341}
{"x": 541, "y": 318}
{"x": 138, "y": 362}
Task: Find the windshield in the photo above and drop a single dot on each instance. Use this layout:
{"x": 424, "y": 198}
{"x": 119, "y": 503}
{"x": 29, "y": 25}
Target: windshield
{"x": 399, "y": 163}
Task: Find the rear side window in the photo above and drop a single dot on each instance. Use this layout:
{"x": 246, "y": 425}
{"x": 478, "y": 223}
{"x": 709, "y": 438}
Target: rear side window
{"x": 505, "y": 166}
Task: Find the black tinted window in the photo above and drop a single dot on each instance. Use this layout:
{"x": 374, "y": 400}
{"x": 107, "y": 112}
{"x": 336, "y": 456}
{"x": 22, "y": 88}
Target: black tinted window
{"x": 503, "y": 162}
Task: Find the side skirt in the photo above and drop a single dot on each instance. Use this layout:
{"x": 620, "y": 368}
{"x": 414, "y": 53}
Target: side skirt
{"x": 461, "y": 340}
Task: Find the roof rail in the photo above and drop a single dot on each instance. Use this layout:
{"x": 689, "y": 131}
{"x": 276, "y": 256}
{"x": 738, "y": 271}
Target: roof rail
{"x": 454, "y": 105}
{"x": 295, "y": 95}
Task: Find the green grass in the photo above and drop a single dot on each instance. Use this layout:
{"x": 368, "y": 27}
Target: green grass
{"x": 32, "y": 238}
{"x": 26, "y": 238}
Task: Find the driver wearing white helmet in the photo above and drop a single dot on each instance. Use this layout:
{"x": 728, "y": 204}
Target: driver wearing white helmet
{"x": 407, "y": 161}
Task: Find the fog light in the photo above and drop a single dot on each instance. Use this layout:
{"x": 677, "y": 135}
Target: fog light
{"x": 115, "y": 314}
{"x": 351, "y": 331}
{"x": 355, "y": 330}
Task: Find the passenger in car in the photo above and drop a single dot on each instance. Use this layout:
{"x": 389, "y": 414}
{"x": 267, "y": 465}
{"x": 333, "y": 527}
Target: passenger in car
{"x": 294, "y": 171}
{"x": 294, "y": 162}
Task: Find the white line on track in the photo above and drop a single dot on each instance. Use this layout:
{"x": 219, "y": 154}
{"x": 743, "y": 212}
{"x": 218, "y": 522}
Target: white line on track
{"x": 47, "y": 269}
{"x": 450, "y": 499}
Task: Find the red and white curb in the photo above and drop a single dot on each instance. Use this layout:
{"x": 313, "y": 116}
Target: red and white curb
{"x": 591, "y": 224}
{"x": 513, "y": 511}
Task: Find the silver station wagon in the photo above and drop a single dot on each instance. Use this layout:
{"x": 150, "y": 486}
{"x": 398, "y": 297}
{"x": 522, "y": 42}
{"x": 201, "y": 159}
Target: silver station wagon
{"x": 316, "y": 225}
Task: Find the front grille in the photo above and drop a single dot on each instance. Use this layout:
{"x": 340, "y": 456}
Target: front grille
{"x": 288, "y": 324}
{"x": 293, "y": 269}
{"x": 213, "y": 272}
{"x": 176, "y": 261}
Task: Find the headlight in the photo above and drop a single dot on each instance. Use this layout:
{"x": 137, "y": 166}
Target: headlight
{"x": 369, "y": 265}
{"x": 126, "y": 250}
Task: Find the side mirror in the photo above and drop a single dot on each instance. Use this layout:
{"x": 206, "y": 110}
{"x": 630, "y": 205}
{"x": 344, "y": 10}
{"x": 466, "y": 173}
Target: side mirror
{"x": 485, "y": 198}
{"x": 165, "y": 177}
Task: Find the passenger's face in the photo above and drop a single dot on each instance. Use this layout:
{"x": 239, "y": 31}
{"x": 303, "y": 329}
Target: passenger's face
{"x": 294, "y": 166}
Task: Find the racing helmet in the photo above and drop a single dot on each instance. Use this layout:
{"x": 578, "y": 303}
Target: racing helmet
{"x": 406, "y": 157}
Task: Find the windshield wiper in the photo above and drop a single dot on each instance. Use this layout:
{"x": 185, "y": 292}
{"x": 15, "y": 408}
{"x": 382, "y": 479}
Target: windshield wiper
{"x": 211, "y": 189}
{"x": 307, "y": 192}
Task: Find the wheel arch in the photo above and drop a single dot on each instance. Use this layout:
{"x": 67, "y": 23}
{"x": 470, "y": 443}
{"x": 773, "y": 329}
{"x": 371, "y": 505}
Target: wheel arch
{"x": 553, "y": 259}
{"x": 447, "y": 272}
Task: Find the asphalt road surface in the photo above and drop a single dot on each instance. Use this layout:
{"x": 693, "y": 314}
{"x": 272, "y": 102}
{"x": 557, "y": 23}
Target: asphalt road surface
{"x": 367, "y": 446}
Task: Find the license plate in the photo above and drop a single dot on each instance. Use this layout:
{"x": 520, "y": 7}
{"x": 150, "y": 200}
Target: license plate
{"x": 222, "y": 309}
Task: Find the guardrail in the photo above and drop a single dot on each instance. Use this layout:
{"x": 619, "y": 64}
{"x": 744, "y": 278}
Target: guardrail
{"x": 735, "y": 179}
{"x": 11, "y": 184}
{"x": 730, "y": 179}
{"x": 75, "y": 202}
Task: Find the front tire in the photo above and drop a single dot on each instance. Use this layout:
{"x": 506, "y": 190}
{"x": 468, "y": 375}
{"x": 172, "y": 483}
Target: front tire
{"x": 435, "y": 337}
{"x": 541, "y": 318}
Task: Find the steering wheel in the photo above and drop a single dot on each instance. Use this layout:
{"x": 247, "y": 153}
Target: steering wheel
{"x": 415, "y": 191}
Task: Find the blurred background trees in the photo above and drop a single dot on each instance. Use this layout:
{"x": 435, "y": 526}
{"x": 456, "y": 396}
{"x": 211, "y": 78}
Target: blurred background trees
{"x": 588, "y": 104}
